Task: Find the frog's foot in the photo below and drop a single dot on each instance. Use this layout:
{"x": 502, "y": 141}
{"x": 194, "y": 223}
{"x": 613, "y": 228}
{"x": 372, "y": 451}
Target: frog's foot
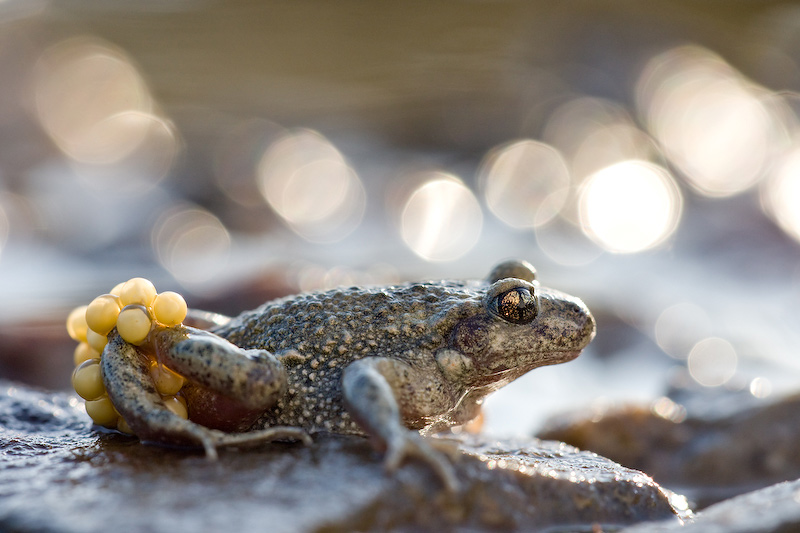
{"x": 412, "y": 444}
{"x": 211, "y": 439}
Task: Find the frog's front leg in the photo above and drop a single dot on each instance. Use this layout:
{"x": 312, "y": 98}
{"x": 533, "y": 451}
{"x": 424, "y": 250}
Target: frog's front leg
{"x": 125, "y": 372}
{"x": 379, "y": 394}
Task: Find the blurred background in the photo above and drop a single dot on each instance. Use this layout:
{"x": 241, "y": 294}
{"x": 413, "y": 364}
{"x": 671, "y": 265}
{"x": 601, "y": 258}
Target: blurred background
{"x": 642, "y": 155}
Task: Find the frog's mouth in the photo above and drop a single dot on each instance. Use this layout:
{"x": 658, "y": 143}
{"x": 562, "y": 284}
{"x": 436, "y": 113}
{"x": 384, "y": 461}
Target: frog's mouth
{"x": 501, "y": 376}
{"x": 565, "y": 356}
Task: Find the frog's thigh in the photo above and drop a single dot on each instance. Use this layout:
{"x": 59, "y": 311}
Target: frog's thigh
{"x": 255, "y": 378}
{"x": 130, "y": 387}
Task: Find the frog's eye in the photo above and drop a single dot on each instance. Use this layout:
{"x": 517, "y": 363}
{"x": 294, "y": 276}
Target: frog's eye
{"x": 517, "y": 305}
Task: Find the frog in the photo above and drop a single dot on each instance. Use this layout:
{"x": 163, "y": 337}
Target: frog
{"x": 392, "y": 363}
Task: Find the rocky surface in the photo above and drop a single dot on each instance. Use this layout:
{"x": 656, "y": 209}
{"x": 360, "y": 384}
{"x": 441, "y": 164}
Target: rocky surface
{"x": 775, "y": 509}
{"x": 60, "y": 475}
{"x": 709, "y": 446}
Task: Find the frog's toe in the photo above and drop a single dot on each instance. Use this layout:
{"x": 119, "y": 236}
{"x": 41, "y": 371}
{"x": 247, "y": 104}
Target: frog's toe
{"x": 412, "y": 444}
{"x": 209, "y": 443}
{"x": 212, "y": 439}
{"x": 265, "y": 435}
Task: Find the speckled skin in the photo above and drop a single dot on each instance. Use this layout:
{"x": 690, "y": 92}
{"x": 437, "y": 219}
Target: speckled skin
{"x": 316, "y": 336}
{"x": 371, "y": 361}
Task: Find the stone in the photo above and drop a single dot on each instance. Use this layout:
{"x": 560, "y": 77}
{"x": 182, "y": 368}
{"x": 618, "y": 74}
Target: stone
{"x": 774, "y": 509}
{"x": 60, "y": 474}
{"x": 707, "y": 445}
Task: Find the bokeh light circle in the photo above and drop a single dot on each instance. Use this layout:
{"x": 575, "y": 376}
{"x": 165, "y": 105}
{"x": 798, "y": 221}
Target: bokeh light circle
{"x": 593, "y": 133}
{"x": 309, "y": 184}
{"x": 142, "y": 166}
{"x": 82, "y": 89}
{"x": 760, "y": 387}
{"x": 630, "y": 206}
{"x": 525, "y": 183}
{"x": 441, "y": 220}
{"x": 191, "y": 243}
{"x": 710, "y": 121}
{"x": 780, "y": 195}
{"x": 712, "y": 362}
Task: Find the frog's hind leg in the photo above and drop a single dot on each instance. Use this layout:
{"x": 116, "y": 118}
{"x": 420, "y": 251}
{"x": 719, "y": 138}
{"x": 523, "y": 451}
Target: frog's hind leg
{"x": 254, "y": 378}
{"x": 131, "y": 390}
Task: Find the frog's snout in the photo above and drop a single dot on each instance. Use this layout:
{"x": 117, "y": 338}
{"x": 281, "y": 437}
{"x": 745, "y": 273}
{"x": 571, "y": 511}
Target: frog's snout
{"x": 589, "y": 329}
{"x": 567, "y": 320}
{"x": 583, "y": 319}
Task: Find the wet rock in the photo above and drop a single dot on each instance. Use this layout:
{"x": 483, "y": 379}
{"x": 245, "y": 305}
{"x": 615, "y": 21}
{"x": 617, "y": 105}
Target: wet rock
{"x": 58, "y": 474}
{"x": 775, "y": 509}
{"x": 707, "y": 454}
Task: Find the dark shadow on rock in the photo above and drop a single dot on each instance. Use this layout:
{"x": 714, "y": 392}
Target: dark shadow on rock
{"x": 58, "y": 474}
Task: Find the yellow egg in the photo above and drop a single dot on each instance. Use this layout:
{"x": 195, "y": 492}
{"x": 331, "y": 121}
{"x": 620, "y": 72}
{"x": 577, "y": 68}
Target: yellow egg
{"x": 123, "y": 426}
{"x": 169, "y": 308}
{"x": 102, "y": 412}
{"x": 137, "y": 291}
{"x": 133, "y": 324}
{"x": 76, "y": 324}
{"x": 168, "y": 382}
{"x": 101, "y": 315}
{"x": 117, "y": 289}
{"x": 176, "y": 406}
{"x": 87, "y": 381}
{"x": 84, "y": 352}
{"x": 96, "y": 341}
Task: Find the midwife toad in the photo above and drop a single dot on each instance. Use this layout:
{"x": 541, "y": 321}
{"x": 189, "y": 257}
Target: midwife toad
{"x": 381, "y": 362}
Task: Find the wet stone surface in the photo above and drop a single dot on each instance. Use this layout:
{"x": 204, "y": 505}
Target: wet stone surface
{"x": 58, "y": 474}
{"x": 775, "y": 509}
{"x": 723, "y": 444}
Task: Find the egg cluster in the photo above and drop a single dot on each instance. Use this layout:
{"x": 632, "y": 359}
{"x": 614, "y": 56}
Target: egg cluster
{"x": 135, "y": 309}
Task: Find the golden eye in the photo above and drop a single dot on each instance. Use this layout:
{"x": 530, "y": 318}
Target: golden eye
{"x": 517, "y": 305}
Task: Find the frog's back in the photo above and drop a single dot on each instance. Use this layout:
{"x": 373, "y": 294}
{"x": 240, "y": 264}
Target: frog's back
{"x": 350, "y": 323}
{"x": 316, "y": 335}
